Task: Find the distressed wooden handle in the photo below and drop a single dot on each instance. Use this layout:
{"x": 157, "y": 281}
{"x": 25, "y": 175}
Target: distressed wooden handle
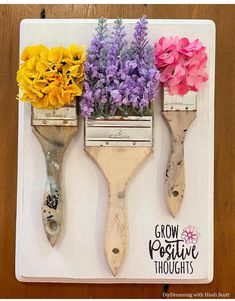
{"x": 116, "y": 236}
{"x": 178, "y": 123}
{"x": 52, "y": 207}
{"x": 118, "y": 165}
{"x": 54, "y": 140}
{"x": 175, "y": 176}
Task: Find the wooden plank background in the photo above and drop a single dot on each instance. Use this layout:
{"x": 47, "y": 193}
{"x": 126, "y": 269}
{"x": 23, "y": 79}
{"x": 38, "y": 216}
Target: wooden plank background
{"x": 224, "y": 18}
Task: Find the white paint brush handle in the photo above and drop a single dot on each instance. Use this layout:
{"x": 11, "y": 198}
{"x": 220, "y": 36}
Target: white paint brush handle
{"x": 116, "y": 235}
{"x": 178, "y": 123}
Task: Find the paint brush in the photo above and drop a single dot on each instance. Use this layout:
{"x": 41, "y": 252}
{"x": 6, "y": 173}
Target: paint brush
{"x": 118, "y": 146}
{"x": 51, "y": 80}
{"x": 120, "y": 85}
{"x": 182, "y": 72}
{"x": 179, "y": 112}
{"x": 54, "y": 130}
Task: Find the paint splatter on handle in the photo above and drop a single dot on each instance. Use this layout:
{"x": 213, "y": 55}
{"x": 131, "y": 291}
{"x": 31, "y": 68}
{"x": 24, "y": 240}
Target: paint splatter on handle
{"x": 52, "y": 209}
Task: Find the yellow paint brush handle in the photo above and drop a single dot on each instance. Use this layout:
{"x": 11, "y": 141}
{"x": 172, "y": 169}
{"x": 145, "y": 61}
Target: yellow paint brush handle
{"x": 178, "y": 123}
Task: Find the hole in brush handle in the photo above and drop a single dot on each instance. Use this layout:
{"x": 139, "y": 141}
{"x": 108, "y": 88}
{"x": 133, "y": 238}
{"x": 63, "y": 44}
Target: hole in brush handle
{"x": 52, "y": 227}
{"x": 115, "y": 250}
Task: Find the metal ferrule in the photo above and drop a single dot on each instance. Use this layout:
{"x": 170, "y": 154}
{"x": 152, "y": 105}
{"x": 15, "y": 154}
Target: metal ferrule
{"x": 188, "y": 102}
{"x": 119, "y": 131}
{"x": 64, "y": 116}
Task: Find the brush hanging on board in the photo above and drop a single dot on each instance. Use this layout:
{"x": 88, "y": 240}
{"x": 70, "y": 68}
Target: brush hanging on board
{"x": 51, "y": 79}
{"x": 119, "y": 122}
{"x": 182, "y": 73}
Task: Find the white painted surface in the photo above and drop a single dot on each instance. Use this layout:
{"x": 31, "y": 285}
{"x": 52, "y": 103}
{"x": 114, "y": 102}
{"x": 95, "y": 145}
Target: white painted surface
{"x": 79, "y": 255}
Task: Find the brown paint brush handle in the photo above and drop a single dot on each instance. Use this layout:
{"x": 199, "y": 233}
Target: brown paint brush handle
{"x": 116, "y": 236}
{"x": 52, "y": 207}
{"x": 178, "y": 123}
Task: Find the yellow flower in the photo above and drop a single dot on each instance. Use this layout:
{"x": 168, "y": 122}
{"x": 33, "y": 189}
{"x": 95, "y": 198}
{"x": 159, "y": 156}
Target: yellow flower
{"x": 42, "y": 66}
{"x": 77, "y": 52}
{"x": 31, "y": 63}
{"x": 77, "y": 55}
{"x": 32, "y": 51}
{"x": 55, "y": 55}
{"x": 51, "y": 78}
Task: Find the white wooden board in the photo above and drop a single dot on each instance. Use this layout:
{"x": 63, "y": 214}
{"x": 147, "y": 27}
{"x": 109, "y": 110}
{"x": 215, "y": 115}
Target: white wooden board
{"x": 79, "y": 256}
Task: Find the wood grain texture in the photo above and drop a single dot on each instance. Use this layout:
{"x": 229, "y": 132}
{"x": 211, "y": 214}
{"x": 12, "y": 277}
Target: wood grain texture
{"x": 224, "y": 18}
{"x": 54, "y": 141}
{"x": 118, "y": 165}
{"x": 178, "y": 124}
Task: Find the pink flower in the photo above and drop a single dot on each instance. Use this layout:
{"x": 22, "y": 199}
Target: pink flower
{"x": 181, "y": 63}
{"x": 166, "y": 51}
{"x": 190, "y": 234}
{"x": 190, "y": 48}
{"x": 174, "y": 78}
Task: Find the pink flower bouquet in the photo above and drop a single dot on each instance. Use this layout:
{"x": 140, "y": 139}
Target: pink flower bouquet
{"x": 181, "y": 63}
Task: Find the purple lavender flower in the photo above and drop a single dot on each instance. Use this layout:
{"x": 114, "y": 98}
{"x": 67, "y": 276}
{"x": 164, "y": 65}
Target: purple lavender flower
{"x": 144, "y": 77}
{"x": 116, "y": 60}
{"x": 118, "y": 80}
{"x": 94, "y": 95}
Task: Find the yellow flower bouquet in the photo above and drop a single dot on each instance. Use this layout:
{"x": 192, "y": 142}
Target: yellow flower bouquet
{"x": 51, "y": 78}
